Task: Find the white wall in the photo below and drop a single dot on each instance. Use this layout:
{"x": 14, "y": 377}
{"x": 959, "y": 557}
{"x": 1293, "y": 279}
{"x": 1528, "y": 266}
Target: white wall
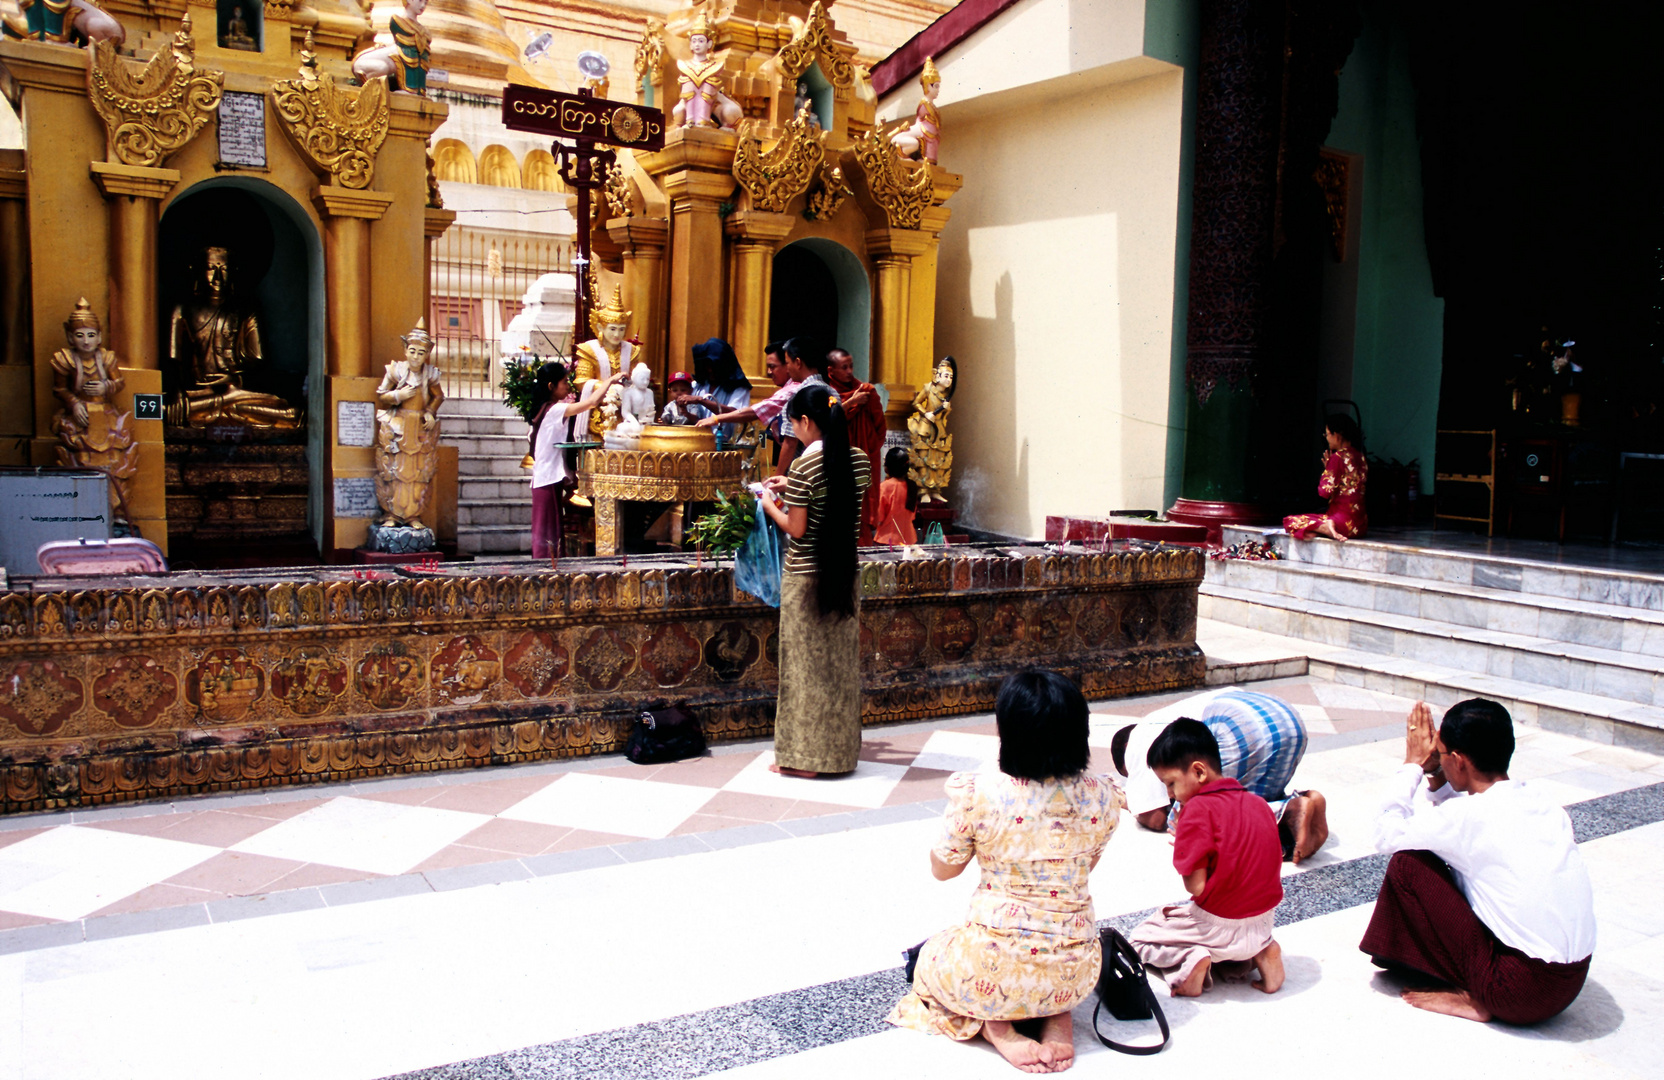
{"x": 1056, "y": 275}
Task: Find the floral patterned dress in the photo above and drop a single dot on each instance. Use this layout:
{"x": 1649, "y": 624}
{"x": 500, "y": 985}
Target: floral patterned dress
{"x": 1342, "y": 484}
{"x": 1029, "y": 946}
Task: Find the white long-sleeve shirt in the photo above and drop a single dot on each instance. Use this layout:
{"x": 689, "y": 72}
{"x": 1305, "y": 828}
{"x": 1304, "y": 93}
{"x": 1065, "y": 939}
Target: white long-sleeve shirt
{"x": 1513, "y": 855}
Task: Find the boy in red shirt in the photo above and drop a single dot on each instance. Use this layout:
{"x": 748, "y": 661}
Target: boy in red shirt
{"x": 1226, "y": 847}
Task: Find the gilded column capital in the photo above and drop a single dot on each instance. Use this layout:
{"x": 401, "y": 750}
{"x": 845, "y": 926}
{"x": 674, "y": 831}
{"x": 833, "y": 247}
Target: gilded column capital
{"x": 135, "y": 181}
{"x": 637, "y": 235}
{"x": 436, "y": 220}
{"x": 152, "y": 110}
{"x": 898, "y": 243}
{"x": 338, "y": 129}
{"x": 35, "y": 65}
{"x": 341, "y": 202}
{"x": 690, "y": 148}
{"x": 758, "y": 226}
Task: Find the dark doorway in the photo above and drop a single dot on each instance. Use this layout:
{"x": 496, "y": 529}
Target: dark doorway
{"x": 804, "y": 299}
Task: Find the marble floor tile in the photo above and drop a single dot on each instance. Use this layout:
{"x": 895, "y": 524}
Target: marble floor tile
{"x": 868, "y": 786}
{"x": 363, "y": 834}
{"x": 511, "y": 837}
{"x": 630, "y": 807}
{"x": 156, "y": 897}
{"x": 956, "y": 751}
{"x": 236, "y": 873}
{"x": 753, "y": 808}
{"x": 70, "y": 872}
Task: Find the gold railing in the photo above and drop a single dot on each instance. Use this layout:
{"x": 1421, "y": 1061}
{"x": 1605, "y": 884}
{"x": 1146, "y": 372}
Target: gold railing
{"x": 479, "y": 279}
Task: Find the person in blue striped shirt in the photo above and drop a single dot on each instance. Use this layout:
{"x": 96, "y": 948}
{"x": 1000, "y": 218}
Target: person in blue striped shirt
{"x": 1261, "y": 741}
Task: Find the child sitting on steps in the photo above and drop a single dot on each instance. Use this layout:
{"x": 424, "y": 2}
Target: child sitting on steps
{"x": 1226, "y": 847}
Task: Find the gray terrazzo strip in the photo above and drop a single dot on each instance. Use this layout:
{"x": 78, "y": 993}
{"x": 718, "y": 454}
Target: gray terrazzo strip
{"x": 702, "y": 1043}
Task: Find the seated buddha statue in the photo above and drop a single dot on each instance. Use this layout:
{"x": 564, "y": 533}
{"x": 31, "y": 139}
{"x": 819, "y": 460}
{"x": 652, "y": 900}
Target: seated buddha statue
{"x": 213, "y": 342}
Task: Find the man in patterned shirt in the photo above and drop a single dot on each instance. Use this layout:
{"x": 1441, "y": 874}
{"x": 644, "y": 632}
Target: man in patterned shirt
{"x": 1261, "y": 741}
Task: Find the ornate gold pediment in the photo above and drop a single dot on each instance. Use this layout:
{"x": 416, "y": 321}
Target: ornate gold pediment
{"x": 814, "y": 42}
{"x": 340, "y": 129}
{"x": 904, "y": 189}
{"x": 775, "y": 178}
{"x": 152, "y": 110}
{"x": 828, "y": 195}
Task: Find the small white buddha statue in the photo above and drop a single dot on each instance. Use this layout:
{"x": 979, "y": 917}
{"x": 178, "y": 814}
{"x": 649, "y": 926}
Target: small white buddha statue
{"x": 635, "y": 409}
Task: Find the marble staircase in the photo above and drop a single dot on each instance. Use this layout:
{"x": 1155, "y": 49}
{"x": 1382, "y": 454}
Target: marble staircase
{"x": 1566, "y": 647}
{"x": 494, "y": 495}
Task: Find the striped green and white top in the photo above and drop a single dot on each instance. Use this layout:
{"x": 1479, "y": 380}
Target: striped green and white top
{"x": 806, "y": 486}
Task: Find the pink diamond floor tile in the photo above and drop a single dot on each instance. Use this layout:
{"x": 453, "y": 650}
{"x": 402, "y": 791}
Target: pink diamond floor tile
{"x": 712, "y": 772}
{"x": 447, "y": 858}
{"x": 486, "y": 796}
{"x": 237, "y": 873}
{"x": 751, "y": 809}
{"x": 309, "y": 875}
{"x": 161, "y": 895}
{"x": 918, "y": 785}
{"x": 583, "y": 838}
{"x": 279, "y": 811}
{"x": 11, "y": 920}
{"x": 12, "y": 837}
{"x": 508, "y": 838}
{"x": 157, "y": 825}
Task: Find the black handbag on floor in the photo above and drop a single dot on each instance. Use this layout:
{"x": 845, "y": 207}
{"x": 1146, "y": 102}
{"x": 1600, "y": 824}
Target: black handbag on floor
{"x": 1123, "y": 990}
{"x": 662, "y": 735}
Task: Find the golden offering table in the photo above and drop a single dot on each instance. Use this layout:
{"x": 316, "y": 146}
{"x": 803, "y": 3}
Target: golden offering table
{"x": 661, "y": 472}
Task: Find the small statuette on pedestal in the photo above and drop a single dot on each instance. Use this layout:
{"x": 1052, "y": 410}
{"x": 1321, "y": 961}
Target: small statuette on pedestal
{"x": 802, "y": 106}
{"x": 932, "y": 446}
{"x": 237, "y": 35}
{"x": 407, "y": 446}
{"x": 923, "y": 138}
{"x": 703, "y": 101}
{"x": 635, "y": 410}
{"x": 405, "y": 62}
{"x": 92, "y": 432}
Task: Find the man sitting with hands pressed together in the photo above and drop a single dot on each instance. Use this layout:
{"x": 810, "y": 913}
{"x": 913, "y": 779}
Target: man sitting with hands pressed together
{"x": 1486, "y": 890}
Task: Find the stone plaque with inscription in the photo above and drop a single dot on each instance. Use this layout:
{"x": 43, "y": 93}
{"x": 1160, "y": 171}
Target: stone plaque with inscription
{"x": 242, "y": 119}
{"x": 355, "y": 423}
{"x": 355, "y": 497}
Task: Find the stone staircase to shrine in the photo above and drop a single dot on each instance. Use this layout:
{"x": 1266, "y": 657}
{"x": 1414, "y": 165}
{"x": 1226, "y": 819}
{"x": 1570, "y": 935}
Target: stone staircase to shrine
{"x": 494, "y": 495}
{"x": 1564, "y": 647}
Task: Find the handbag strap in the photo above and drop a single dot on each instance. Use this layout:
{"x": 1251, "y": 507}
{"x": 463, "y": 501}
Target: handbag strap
{"x": 1126, "y": 1048}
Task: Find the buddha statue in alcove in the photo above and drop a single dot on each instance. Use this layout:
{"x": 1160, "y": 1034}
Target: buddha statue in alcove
{"x": 214, "y": 342}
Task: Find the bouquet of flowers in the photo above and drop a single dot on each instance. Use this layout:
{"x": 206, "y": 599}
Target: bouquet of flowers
{"x": 520, "y": 384}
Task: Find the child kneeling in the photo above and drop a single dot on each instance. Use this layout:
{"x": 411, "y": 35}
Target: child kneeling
{"x": 1226, "y": 847}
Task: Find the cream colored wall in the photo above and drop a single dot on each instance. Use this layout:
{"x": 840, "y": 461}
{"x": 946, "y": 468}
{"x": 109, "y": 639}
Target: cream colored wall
{"x": 1055, "y": 293}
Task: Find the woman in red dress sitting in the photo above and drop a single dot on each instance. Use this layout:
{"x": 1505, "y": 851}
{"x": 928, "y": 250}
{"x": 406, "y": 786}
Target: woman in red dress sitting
{"x": 1344, "y": 473}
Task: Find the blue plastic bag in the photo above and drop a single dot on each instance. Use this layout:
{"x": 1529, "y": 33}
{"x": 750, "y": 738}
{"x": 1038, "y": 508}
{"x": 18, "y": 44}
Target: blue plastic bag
{"x": 759, "y": 561}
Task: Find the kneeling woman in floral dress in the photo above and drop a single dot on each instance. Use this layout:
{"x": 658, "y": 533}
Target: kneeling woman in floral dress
{"x": 1028, "y": 949}
{"x": 1344, "y": 471}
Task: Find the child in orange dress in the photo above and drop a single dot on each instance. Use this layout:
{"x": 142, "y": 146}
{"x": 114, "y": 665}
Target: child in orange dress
{"x": 898, "y": 497}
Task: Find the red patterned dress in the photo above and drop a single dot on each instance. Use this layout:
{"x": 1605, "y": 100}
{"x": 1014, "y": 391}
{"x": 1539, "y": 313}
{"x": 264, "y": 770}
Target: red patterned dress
{"x": 1342, "y": 484}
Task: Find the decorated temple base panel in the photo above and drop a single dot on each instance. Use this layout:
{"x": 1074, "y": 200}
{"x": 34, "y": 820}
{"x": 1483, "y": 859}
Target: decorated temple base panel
{"x": 189, "y": 683}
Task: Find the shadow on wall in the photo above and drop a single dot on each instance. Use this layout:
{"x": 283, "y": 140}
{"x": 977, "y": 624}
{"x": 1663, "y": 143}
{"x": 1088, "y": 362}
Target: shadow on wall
{"x": 986, "y": 394}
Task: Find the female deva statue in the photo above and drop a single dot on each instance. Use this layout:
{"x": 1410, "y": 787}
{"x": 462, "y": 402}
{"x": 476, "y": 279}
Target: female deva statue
{"x": 932, "y": 451}
{"x": 923, "y": 139}
{"x": 703, "y": 101}
{"x": 92, "y": 432}
{"x": 407, "y": 432}
{"x": 405, "y": 62}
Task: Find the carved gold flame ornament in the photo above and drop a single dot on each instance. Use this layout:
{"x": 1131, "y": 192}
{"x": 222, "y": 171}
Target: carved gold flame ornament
{"x": 153, "y": 110}
{"x": 774, "y": 179}
{"x": 903, "y": 189}
{"x": 814, "y": 42}
{"x": 340, "y": 129}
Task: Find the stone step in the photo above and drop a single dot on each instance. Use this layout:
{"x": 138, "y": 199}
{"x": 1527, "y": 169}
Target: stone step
{"x": 505, "y": 466}
{"x": 1585, "y": 715}
{"x": 511, "y": 446}
{"x": 471, "y": 512}
{"x": 496, "y": 489}
{"x": 483, "y": 425}
{"x": 461, "y": 406}
{"x": 1627, "y": 677}
{"x": 1606, "y": 626}
{"x": 493, "y": 540}
{"x": 1563, "y": 580}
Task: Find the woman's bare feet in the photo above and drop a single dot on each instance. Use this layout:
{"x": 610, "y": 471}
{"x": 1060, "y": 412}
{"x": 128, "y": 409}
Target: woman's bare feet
{"x": 801, "y": 774}
{"x": 1307, "y": 818}
{"x": 1327, "y": 528}
{"x": 1270, "y": 962}
{"x": 1020, "y": 1050}
{"x": 1449, "y": 1002}
{"x": 1192, "y": 987}
{"x": 1059, "y": 1035}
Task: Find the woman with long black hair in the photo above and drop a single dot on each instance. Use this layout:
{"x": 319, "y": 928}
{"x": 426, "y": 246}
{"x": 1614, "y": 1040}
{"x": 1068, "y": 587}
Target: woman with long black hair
{"x": 548, "y": 460}
{"x": 817, "y": 504}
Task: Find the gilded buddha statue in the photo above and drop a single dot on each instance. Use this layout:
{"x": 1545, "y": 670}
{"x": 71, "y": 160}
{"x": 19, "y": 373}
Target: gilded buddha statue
{"x": 92, "y": 432}
{"x": 213, "y": 342}
{"x": 600, "y": 358}
{"x": 927, "y": 425}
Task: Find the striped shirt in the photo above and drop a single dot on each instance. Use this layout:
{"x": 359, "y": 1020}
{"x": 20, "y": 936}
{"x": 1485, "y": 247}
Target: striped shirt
{"x": 1261, "y": 740}
{"x": 806, "y": 486}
